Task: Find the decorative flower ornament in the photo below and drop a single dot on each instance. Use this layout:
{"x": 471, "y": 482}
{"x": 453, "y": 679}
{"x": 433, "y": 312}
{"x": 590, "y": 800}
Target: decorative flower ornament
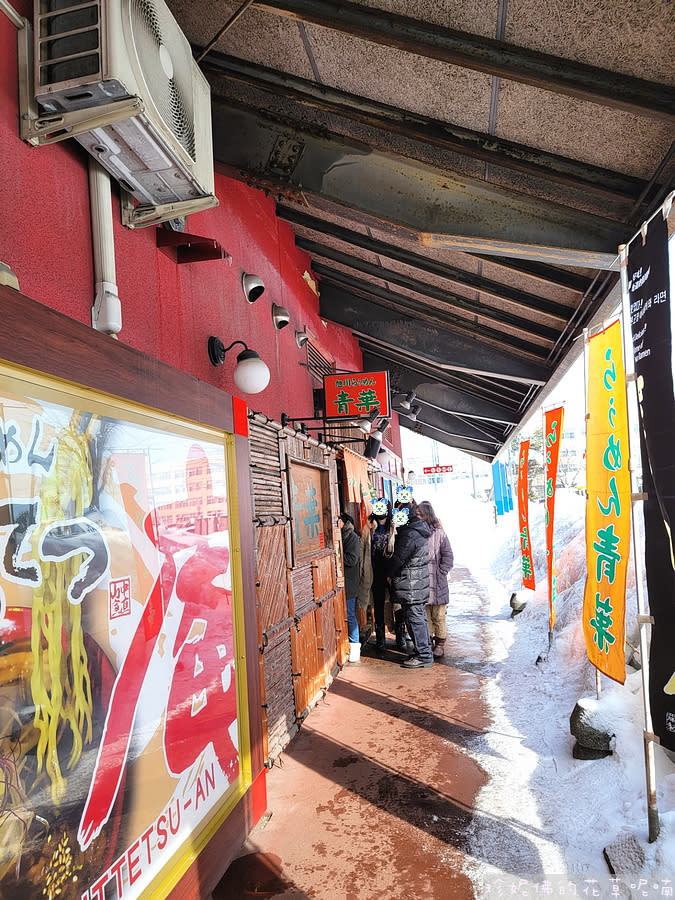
{"x": 403, "y": 494}
{"x": 401, "y": 516}
{"x": 380, "y": 507}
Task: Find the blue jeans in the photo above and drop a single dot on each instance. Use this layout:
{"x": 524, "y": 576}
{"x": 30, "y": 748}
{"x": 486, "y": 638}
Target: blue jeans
{"x": 352, "y": 624}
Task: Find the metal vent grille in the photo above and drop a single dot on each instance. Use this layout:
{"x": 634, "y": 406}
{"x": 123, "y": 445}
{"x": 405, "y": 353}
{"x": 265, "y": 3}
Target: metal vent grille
{"x": 69, "y": 41}
{"x": 165, "y": 59}
{"x": 318, "y": 364}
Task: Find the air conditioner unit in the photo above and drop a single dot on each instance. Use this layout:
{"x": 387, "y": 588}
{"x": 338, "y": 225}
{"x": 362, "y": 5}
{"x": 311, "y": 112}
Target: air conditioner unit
{"x": 119, "y": 76}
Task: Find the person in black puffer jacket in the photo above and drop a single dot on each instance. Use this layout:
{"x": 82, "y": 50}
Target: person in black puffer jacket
{"x": 408, "y": 571}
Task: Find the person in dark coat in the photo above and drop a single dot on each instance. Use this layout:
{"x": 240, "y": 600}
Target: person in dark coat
{"x": 382, "y": 545}
{"x": 441, "y": 560}
{"x": 408, "y": 571}
{"x": 351, "y": 559}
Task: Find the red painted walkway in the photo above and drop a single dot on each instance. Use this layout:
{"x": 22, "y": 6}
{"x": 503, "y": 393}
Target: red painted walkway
{"x": 373, "y": 797}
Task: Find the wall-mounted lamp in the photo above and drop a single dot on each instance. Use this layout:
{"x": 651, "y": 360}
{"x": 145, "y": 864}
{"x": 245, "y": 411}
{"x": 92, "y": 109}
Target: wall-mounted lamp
{"x": 280, "y": 316}
{"x": 250, "y": 374}
{"x": 367, "y": 423}
{"x": 253, "y": 286}
{"x": 301, "y": 338}
{"x": 408, "y": 400}
{"x": 415, "y": 410}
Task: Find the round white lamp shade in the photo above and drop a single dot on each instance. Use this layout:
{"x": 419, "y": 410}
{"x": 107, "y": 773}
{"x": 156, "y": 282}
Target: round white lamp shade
{"x": 251, "y": 374}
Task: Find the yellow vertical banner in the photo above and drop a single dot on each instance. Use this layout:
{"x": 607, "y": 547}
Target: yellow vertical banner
{"x": 553, "y": 426}
{"x": 608, "y": 504}
{"x": 523, "y": 518}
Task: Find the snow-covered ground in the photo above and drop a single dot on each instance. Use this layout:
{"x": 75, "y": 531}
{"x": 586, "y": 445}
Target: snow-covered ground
{"x": 566, "y": 810}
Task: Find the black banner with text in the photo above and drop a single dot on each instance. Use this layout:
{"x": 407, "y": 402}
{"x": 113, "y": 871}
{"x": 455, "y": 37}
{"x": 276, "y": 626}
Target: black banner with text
{"x": 651, "y": 326}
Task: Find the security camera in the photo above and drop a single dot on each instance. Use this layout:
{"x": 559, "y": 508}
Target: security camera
{"x": 280, "y": 316}
{"x": 253, "y": 286}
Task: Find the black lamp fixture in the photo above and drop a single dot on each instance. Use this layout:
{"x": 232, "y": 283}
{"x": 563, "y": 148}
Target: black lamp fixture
{"x": 408, "y": 400}
{"x": 368, "y": 422}
{"x": 251, "y": 374}
{"x": 415, "y": 410}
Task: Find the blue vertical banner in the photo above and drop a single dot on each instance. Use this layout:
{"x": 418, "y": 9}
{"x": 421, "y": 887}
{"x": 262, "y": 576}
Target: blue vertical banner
{"x": 498, "y": 488}
{"x": 508, "y": 493}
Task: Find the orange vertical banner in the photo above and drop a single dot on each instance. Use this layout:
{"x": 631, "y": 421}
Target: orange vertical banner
{"x": 523, "y": 518}
{"x": 553, "y": 426}
{"x": 608, "y": 504}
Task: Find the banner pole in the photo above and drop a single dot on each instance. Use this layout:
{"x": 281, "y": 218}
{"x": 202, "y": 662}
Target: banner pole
{"x": 644, "y": 620}
{"x": 598, "y": 681}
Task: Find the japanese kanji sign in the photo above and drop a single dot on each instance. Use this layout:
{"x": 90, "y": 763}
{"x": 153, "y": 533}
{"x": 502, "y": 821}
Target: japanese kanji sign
{"x": 307, "y": 508}
{"x": 553, "y": 425}
{"x": 118, "y": 665}
{"x": 608, "y": 504}
{"x": 652, "y": 324}
{"x": 436, "y": 470}
{"x": 523, "y": 517}
{"x": 356, "y": 395}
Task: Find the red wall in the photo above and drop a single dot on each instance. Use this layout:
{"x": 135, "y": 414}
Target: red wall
{"x": 168, "y": 310}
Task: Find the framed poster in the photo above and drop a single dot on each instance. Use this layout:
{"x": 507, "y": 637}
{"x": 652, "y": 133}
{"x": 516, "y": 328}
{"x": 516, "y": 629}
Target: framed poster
{"x": 311, "y": 530}
{"x": 123, "y": 713}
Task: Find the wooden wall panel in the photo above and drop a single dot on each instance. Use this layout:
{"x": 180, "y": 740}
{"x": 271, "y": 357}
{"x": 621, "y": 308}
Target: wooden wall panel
{"x": 324, "y": 576}
{"x": 266, "y": 479}
{"x": 307, "y": 663}
{"x": 272, "y": 581}
{"x": 302, "y": 590}
{"x": 328, "y": 638}
{"x": 279, "y": 694}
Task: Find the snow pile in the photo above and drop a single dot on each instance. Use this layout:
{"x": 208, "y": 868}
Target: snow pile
{"x": 544, "y": 814}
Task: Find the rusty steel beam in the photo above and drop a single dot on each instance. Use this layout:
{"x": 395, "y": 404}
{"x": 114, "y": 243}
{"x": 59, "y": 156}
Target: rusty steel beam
{"x": 403, "y": 305}
{"x": 426, "y": 264}
{"x": 527, "y": 326}
{"x": 498, "y": 58}
{"x": 423, "y": 129}
{"x": 442, "y": 349}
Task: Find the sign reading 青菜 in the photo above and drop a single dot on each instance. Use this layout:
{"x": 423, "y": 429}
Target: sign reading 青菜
{"x": 356, "y": 394}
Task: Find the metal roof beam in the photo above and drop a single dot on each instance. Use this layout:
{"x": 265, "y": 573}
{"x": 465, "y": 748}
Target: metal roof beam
{"x": 426, "y": 264}
{"x": 455, "y": 427}
{"x": 451, "y": 394}
{"x": 440, "y": 348}
{"x": 400, "y": 304}
{"x": 527, "y": 326}
{"x": 498, "y": 58}
{"x": 482, "y": 451}
{"x": 423, "y": 129}
{"x": 468, "y": 214}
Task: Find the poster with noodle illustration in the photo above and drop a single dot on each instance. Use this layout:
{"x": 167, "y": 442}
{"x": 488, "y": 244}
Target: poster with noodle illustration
{"x": 119, "y": 736}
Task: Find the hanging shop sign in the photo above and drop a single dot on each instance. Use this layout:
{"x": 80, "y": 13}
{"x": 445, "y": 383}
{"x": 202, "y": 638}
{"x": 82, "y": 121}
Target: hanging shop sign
{"x": 527, "y": 565}
{"x": 356, "y": 394}
{"x": 310, "y": 508}
{"x": 120, "y": 677}
{"x": 553, "y": 426}
{"x": 608, "y": 504}
{"x": 651, "y": 318}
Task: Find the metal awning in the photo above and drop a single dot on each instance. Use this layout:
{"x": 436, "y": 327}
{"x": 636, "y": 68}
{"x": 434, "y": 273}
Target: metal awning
{"x": 461, "y": 175}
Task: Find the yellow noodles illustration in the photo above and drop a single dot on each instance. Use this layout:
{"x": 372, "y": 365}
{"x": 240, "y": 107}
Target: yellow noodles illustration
{"x": 60, "y": 682}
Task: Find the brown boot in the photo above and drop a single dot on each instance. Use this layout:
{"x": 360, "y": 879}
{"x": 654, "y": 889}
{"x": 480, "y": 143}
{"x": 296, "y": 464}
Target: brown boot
{"x": 439, "y": 647}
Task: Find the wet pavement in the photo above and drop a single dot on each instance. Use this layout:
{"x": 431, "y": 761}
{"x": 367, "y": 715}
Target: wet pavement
{"x": 373, "y": 797}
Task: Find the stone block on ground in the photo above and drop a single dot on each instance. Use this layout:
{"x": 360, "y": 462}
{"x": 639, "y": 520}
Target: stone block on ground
{"x": 590, "y": 726}
{"x": 624, "y": 855}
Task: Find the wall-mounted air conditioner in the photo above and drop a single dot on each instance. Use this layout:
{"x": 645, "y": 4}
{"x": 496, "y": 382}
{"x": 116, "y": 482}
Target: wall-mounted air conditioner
{"x": 118, "y": 75}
